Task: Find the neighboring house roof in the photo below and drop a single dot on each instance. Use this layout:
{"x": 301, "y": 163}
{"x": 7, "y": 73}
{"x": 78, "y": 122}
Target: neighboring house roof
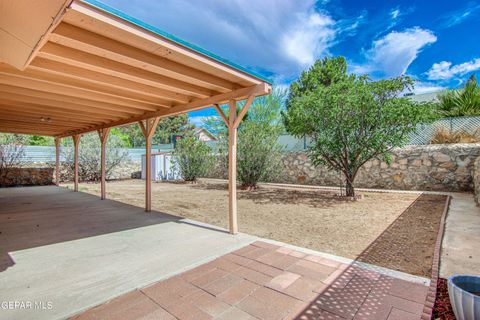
{"x": 198, "y": 131}
{"x": 425, "y": 97}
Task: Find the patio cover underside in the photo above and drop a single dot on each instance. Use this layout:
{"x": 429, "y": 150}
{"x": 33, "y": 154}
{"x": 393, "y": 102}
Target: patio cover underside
{"x": 73, "y": 68}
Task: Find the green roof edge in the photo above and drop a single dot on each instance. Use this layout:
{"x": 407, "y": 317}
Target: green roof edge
{"x": 173, "y": 38}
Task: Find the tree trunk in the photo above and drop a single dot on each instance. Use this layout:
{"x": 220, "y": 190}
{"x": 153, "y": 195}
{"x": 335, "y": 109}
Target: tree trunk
{"x": 349, "y": 188}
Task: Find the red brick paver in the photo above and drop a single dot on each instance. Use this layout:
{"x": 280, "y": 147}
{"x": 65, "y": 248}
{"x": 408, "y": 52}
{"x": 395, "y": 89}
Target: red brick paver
{"x": 265, "y": 281}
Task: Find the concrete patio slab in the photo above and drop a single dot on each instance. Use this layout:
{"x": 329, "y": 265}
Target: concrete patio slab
{"x": 460, "y": 253}
{"x": 64, "y": 252}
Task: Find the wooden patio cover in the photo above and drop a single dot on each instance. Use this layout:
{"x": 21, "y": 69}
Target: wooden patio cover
{"x": 72, "y": 67}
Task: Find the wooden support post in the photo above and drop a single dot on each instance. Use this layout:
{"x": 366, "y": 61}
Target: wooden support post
{"x": 232, "y": 122}
{"x": 103, "y": 134}
{"x": 57, "y": 160}
{"x": 232, "y": 168}
{"x": 76, "y": 143}
{"x": 148, "y": 130}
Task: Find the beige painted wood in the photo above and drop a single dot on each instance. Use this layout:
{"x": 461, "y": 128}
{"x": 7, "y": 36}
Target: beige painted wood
{"x": 121, "y": 52}
{"x": 66, "y": 102}
{"x": 57, "y": 76}
{"x": 239, "y": 94}
{"x": 57, "y": 160}
{"x": 73, "y": 37}
{"x": 243, "y": 112}
{"x": 148, "y": 129}
{"x": 76, "y": 92}
{"x": 232, "y": 169}
{"x": 76, "y": 145}
{"x": 221, "y": 114}
{"x": 117, "y": 29}
{"x": 103, "y": 134}
{"x": 21, "y": 32}
{"x": 65, "y": 64}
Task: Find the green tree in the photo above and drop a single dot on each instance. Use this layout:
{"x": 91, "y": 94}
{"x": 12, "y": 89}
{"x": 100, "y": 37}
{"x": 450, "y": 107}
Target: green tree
{"x": 352, "y": 120}
{"x": 193, "y": 158}
{"x": 167, "y": 127}
{"x": 40, "y": 141}
{"x": 323, "y": 73}
{"x": 258, "y": 151}
{"x": 463, "y": 102}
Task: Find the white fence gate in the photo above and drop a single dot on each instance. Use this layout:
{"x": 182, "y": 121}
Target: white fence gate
{"x": 162, "y": 167}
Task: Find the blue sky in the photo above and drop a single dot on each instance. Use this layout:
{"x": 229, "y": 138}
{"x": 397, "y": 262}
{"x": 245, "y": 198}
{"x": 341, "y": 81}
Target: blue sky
{"x": 435, "y": 42}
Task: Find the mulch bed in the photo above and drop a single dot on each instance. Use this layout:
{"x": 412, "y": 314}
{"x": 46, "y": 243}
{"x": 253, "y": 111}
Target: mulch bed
{"x": 442, "y": 309}
{"x": 408, "y": 244}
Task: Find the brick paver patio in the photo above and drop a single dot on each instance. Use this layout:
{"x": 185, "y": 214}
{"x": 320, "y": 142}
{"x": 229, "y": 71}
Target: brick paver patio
{"x": 265, "y": 281}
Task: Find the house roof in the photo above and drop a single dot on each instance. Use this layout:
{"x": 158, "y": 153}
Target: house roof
{"x": 70, "y": 67}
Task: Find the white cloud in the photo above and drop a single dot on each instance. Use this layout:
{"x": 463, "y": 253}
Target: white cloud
{"x": 279, "y": 36}
{"x": 459, "y": 16}
{"x": 392, "y": 54}
{"x": 198, "y": 121}
{"x": 309, "y": 39}
{"x": 445, "y": 70}
{"x": 395, "y": 13}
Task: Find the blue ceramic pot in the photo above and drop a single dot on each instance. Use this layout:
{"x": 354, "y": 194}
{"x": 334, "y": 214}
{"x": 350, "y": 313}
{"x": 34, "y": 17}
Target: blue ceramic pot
{"x": 464, "y": 292}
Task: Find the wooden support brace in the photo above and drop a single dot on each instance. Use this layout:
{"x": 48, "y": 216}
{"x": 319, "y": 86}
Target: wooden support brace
{"x": 57, "y": 160}
{"x": 148, "y": 129}
{"x": 243, "y": 112}
{"x": 76, "y": 144}
{"x": 221, "y": 113}
{"x": 103, "y": 134}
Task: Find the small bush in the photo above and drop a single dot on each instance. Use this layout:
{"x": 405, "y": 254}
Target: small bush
{"x": 193, "y": 158}
{"x": 90, "y": 156}
{"x": 12, "y": 150}
{"x": 445, "y": 136}
{"x": 258, "y": 154}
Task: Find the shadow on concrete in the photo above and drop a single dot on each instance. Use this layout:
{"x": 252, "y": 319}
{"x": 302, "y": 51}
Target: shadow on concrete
{"x": 38, "y": 216}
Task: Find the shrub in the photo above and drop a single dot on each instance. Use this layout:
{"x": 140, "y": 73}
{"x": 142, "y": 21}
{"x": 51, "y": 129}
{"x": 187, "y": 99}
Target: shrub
{"x": 193, "y": 158}
{"x": 12, "y": 150}
{"x": 445, "y": 136}
{"x": 90, "y": 156}
{"x": 258, "y": 155}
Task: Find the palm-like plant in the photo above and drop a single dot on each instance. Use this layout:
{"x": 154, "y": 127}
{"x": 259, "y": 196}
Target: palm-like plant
{"x": 463, "y": 102}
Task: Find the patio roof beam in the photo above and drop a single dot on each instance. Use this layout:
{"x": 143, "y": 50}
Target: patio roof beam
{"x": 78, "y": 93}
{"x": 109, "y": 66}
{"x": 59, "y": 78}
{"x": 88, "y": 75}
{"x": 114, "y": 50}
{"x": 65, "y": 102}
{"x": 48, "y": 111}
{"x": 260, "y": 89}
{"x": 36, "y": 117}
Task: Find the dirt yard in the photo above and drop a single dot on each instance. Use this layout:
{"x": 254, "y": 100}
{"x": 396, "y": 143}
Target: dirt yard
{"x": 305, "y": 217}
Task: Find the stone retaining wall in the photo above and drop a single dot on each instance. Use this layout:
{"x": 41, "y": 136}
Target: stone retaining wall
{"x": 27, "y": 177}
{"x": 431, "y": 167}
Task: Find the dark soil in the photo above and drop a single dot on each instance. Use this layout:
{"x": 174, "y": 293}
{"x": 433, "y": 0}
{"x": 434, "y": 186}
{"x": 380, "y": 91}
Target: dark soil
{"x": 442, "y": 309}
{"x": 408, "y": 244}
